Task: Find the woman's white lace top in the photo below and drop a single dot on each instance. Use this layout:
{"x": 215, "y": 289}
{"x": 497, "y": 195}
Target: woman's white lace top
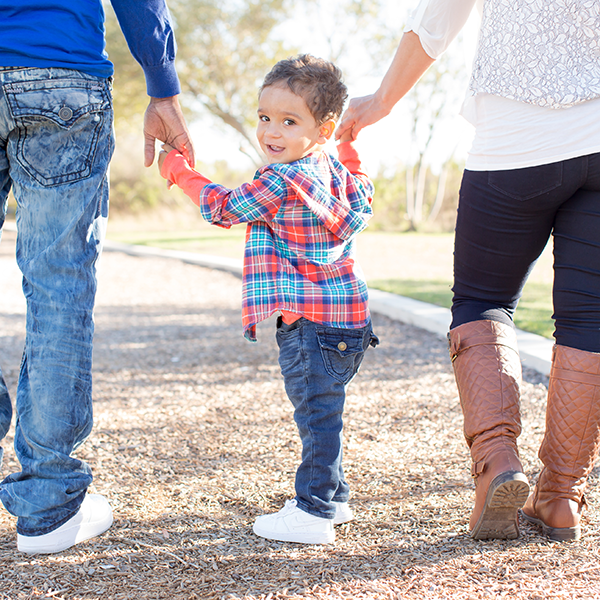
{"x": 536, "y": 73}
{"x": 544, "y": 52}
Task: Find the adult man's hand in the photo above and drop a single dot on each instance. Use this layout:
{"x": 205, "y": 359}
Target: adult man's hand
{"x": 164, "y": 121}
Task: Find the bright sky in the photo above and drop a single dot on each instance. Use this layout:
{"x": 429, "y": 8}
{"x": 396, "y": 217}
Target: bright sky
{"x": 382, "y": 145}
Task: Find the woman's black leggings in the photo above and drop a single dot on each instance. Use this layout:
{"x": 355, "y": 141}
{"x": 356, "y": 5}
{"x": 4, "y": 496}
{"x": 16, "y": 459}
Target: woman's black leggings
{"x": 504, "y": 221}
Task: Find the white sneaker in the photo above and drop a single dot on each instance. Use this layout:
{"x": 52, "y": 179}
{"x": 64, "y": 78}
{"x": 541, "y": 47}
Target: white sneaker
{"x": 93, "y": 518}
{"x": 343, "y": 513}
{"x": 291, "y": 524}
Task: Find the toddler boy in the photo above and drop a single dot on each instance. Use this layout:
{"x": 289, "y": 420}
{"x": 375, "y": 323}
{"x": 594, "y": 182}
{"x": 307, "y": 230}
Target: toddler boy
{"x": 303, "y": 210}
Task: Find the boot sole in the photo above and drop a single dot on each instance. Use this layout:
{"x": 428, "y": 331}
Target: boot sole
{"x": 556, "y": 534}
{"x": 499, "y": 518}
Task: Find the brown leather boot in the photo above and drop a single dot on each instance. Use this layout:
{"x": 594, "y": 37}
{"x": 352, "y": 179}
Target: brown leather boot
{"x": 488, "y": 376}
{"x": 570, "y": 446}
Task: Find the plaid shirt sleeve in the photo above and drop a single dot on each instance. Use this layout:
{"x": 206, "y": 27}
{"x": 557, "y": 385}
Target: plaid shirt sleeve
{"x": 256, "y": 201}
{"x": 219, "y": 205}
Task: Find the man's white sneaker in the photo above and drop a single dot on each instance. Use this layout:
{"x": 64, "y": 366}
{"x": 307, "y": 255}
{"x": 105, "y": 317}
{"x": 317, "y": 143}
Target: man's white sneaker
{"x": 343, "y": 513}
{"x": 93, "y": 518}
{"x": 291, "y": 524}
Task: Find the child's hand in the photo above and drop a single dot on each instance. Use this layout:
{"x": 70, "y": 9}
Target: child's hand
{"x": 166, "y": 148}
{"x": 163, "y": 154}
{"x": 346, "y": 136}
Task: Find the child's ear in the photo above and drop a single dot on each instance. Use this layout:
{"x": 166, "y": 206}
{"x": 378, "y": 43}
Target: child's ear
{"x": 326, "y": 131}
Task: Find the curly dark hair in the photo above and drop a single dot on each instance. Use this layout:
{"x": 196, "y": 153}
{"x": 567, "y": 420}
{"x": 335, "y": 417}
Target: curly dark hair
{"x": 318, "y": 81}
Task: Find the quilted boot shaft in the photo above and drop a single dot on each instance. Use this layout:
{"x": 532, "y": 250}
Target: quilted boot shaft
{"x": 487, "y": 368}
{"x": 571, "y": 442}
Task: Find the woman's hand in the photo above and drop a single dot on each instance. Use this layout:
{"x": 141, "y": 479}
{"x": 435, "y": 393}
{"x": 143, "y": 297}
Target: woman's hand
{"x": 360, "y": 113}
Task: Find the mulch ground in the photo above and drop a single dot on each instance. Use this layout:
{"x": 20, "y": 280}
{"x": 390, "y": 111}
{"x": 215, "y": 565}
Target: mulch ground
{"x": 194, "y": 438}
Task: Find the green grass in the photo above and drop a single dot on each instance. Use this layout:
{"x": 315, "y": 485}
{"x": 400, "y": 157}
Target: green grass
{"x": 533, "y": 313}
{"x": 204, "y": 240}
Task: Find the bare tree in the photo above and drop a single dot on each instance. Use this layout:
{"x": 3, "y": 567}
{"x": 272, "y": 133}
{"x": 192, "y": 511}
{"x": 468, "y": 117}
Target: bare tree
{"x": 225, "y": 49}
{"x": 432, "y": 100}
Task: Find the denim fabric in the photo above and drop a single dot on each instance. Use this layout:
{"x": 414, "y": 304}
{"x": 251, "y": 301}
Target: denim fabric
{"x": 56, "y": 141}
{"x": 5, "y": 412}
{"x": 504, "y": 221}
{"x": 5, "y": 404}
{"x": 317, "y": 364}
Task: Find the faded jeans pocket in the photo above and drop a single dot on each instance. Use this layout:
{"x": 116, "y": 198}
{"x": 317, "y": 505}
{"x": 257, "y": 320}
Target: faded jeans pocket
{"x": 59, "y": 122}
{"x": 343, "y": 350}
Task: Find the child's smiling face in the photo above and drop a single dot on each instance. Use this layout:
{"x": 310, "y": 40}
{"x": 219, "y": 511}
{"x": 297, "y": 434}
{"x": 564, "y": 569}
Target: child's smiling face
{"x": 286, "y": 130}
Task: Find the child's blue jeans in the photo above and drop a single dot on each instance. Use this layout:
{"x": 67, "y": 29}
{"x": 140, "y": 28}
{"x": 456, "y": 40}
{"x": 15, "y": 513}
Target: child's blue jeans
{"x": 318, "y": 363}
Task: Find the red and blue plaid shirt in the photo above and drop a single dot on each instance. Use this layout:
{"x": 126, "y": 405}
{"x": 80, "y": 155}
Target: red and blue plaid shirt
{"x": 302, "y": 220}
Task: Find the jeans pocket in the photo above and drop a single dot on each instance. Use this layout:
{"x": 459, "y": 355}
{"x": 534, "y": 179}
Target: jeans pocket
{"x": 528, "y": 183}
{"x": 59, "y": 122}
{"x": 342, "y": 351}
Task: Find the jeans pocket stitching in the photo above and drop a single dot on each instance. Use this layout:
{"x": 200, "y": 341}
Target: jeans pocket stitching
{"x": 557, "y": 180}
{"x": 53, "y": 179}
{"x": 348, "y": 360}
{"x": 89, "y": 116}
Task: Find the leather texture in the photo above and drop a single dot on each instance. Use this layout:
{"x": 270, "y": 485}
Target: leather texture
{"x": 571, "y": 443}
{"x": 487, "y": 368}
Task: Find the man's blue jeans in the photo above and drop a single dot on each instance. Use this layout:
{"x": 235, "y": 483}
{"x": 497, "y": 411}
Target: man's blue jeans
{"x": 56, "y": 141}
{"x": 318, "y": 363}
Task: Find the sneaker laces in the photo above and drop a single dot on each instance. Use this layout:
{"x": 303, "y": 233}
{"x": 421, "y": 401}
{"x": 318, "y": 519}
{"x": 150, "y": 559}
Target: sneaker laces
{"x": 289, "y": 506}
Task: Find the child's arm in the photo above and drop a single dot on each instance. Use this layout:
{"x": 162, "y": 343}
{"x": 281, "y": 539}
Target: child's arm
{"x": 348, "y": 156}
{"x": 189, "y": 180}
{"x": 219, "y": 205}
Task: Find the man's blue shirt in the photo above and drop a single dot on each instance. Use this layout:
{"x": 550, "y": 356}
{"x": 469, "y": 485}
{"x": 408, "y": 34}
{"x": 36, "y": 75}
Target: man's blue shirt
{"x": 55, "y": 33}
